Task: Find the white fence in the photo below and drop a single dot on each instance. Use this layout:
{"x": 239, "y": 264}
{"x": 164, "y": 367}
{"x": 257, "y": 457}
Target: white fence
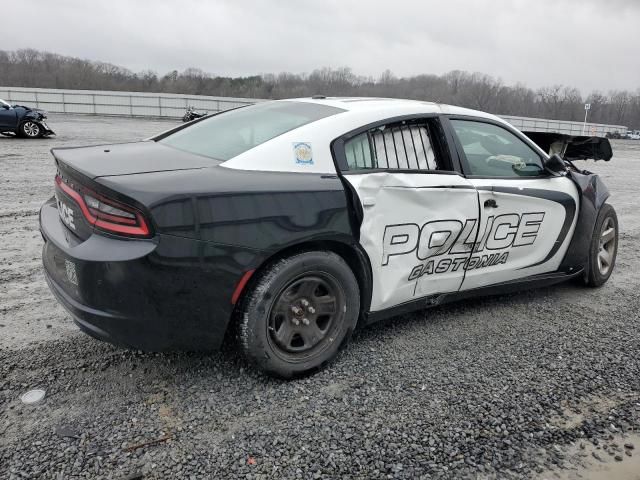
{"x": 136, "y": 104}
{"x": 170, "y": 105}
{"x": 570, "y": 128}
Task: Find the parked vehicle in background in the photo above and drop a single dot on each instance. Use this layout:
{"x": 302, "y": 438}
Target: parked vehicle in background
{"x": 23, "y": 121}
{"x": 633, "y": 134}
{"x": 191, "y": 114}
{"x": 297, "y": 220}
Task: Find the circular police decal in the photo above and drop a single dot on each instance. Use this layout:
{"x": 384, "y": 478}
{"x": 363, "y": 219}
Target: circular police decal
{"x": 302, "y": 153}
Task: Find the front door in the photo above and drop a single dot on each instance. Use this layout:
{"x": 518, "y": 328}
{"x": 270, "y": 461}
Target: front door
{"x": 527, "y": 217}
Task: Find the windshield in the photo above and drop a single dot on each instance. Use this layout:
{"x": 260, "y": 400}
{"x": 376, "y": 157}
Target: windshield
{"x": 231, "y": 133}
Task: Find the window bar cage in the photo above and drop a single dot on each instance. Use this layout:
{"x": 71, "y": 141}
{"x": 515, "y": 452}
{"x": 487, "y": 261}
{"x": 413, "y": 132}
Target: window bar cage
{"x": 372, "y": 149}
{"x": 395, "y": 148}
{"x": 415, "y": 150}
{"x": 401, "y": 130}
{"x": 424, "y": 148}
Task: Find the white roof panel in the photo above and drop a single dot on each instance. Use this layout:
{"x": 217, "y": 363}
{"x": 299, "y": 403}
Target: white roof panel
{"x": 384, "y": 105}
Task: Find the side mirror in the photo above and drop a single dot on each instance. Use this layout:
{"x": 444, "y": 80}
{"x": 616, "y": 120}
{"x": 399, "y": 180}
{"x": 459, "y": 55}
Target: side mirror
{"x": 555, "y": 165}
{"x": 6, "y": 107}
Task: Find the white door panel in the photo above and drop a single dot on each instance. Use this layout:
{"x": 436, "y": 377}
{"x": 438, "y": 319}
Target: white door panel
{"x": 414, "y": 228}
{"x": 525, "y": 228}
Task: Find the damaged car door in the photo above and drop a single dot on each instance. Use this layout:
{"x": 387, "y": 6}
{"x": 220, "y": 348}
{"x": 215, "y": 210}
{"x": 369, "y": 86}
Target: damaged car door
{"x": 416, "y": 212}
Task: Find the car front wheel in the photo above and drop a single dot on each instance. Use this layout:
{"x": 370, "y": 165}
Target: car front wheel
{"x": 299, "y": 312}
{"x": 604, "y": 247}
{"x": 30, "y": 129}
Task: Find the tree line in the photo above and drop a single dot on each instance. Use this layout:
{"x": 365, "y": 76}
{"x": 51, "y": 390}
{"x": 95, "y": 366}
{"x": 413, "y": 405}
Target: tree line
{"x": 33, "y": 68}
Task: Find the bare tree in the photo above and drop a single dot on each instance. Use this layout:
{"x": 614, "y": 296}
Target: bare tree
{"x": 32, "y": 68}
{"x": 620, "y": 102}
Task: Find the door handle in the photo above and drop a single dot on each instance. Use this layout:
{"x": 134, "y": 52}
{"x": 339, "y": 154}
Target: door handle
{"x": 368, "y": 201}
{"x": 490, "y": 203}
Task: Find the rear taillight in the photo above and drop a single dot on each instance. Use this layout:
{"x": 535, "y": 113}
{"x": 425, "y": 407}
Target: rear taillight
{"x": 105, "y": 213}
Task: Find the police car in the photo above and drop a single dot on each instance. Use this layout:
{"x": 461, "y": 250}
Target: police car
{"x": 291, "y": 223}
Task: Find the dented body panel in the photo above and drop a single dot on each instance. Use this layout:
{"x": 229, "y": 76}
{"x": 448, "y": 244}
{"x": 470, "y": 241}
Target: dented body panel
{"x": 593, "y": 194}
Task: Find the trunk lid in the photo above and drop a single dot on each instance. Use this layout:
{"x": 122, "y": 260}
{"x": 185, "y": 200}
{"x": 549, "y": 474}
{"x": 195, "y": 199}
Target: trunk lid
{"x": 86, "y": 205}
{"x": 128, "y": 159}
{"x": 573, "y": 147}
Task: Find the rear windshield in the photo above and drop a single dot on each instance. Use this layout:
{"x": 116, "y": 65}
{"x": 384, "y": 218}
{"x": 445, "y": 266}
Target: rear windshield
{"x": 231, "y": 133}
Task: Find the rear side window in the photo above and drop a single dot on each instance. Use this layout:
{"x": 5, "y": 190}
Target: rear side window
{"x": 231, "y": 133}
{"x": 400, "y": 146}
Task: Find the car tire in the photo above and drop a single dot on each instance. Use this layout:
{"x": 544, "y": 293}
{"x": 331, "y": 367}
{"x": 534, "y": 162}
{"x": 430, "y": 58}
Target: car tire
{"x": 298, "y": 313}
{"x": 604, "y": 247}
{"x": 30, "y": 129}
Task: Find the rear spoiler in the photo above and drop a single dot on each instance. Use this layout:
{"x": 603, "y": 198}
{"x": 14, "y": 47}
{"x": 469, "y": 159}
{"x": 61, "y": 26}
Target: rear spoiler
{"x": 572, "y": 147}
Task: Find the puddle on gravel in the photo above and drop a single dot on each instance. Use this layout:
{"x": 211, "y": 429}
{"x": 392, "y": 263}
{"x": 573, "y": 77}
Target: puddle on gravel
{"x": 573, "y": 417}
{"x": 586, "y": 467}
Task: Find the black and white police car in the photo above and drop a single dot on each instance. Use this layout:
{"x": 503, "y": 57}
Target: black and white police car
{"x": 296, "y": 221}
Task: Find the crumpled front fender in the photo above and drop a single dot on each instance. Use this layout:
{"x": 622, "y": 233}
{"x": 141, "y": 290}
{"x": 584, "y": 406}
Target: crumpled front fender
{"x": 593, "y": 194}
{"x": 39, "y": 117}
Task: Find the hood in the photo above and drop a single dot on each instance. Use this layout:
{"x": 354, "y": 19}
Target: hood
{"x": 30, "y": 109}
{"x": 33, "y": 112}
{"x": 129, "y": 159}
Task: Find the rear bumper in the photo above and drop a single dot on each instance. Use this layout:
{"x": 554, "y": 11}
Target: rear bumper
{"x": 89, "y": 319}
{"x": 168, "y": 293}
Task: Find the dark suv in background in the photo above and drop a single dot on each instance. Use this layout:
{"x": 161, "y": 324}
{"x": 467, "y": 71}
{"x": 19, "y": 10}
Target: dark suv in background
{"x": 23, "y": 121}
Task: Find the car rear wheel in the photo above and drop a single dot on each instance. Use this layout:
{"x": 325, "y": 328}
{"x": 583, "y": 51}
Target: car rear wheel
{"x": 30, "y": 129}
{"x": 604, "y": 247}
{"x": 299, "y": 313}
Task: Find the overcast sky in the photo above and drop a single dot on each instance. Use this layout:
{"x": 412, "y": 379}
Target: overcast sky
{"x": 590, "y": 44}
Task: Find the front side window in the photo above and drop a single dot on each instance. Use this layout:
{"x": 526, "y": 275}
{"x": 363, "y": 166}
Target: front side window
{"x": 231, "y": 133}
{"x": 493, "y": 151}
{"x": 399, "y": 146}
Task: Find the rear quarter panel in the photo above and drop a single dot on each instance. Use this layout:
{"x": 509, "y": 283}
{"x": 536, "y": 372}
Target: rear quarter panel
{"x": 265, "y": 211}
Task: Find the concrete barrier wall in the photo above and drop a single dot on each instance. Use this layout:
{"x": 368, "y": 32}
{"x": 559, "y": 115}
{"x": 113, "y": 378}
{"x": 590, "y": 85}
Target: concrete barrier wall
{"x": 171, "y": 105}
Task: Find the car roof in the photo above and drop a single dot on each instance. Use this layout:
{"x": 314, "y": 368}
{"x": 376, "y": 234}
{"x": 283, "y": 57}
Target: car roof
{"x": 392, "y": 106}
{"x": 318, "y": 135}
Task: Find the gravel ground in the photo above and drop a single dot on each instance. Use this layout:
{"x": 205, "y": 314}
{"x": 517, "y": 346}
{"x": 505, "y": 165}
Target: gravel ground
{"x": 539, "y": 384}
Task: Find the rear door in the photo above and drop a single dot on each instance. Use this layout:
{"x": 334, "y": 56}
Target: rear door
{"x": 416, "y": 215}
{"x": 527, "y": 216}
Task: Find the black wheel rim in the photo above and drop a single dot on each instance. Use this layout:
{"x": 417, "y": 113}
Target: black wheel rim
{"x": 306, "y": 314}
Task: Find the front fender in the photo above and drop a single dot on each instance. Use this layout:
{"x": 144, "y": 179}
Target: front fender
{"x": 39, "y": 118}
{"x": 593, "y": 194}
